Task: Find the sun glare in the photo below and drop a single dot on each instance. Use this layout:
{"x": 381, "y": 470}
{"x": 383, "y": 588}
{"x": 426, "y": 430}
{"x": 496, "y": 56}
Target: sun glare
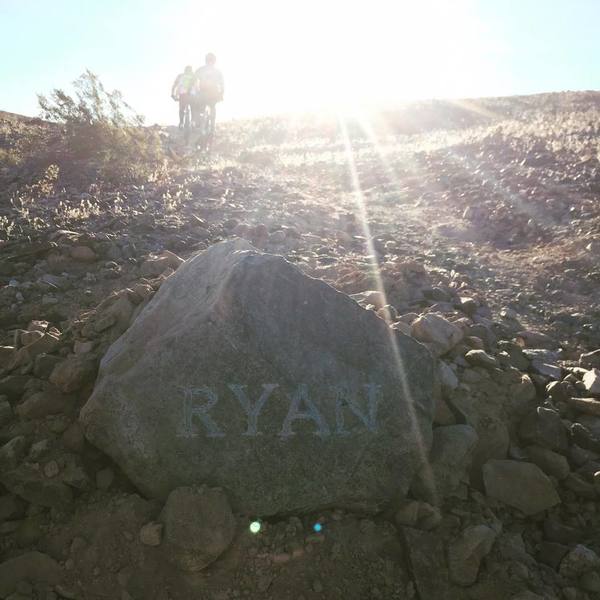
{"x": 279, "y": 57}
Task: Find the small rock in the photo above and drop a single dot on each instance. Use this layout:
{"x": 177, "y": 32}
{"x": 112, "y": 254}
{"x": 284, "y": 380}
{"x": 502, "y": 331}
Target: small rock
{"x": 580, "y": 487}
{"x": 591, "y": 381}
{"x": 520, "y": 485}
{"x": 449, "y": 461}
{"x": 12, "y": 452}
{"x": 544, "y": 427}
{"x": 73, "y": 438}
{"x": 480, "y": 358}
{"x": 559, "y": 391}
{"x": 556, "y": 531}
{"x": 551, "y": 553}
{"x": 51, "y": 469}
{"x": 6, "y": 413}
{"x": 421, "y": 515}
{"x": 587, "y": 406}
{"x": 10, "y": 507}
{"x": 468, "y": 305}
{"x": 151, "y": 534}
{"x": 44, "y": 364}
{"x": 578, "y": 561}
{"x": 466, "y": 552}
{"x": 548, "y": 461}
{"x": 590, "y": 360}
{"x": 590, "y": 581}
{"x": 31, "y": 566}
{"x": 199, "y": 526}
{"x": 104, "y": 478}
{"x": 545, "y": 369}
{"x": 534, "y": 339}
{"x": 83, "y": 254}
{"x": 436, "y": 331}
{"x": 41, "y": 404}
{"x": 448, "y": 378}
{"x": 73, "y": 373}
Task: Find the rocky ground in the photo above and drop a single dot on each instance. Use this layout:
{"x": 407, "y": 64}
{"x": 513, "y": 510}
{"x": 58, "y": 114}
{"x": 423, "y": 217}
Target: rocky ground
{"x": 480, "y": 240}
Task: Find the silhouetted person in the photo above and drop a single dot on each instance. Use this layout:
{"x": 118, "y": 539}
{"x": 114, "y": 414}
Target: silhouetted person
{"x": 182, "y": 91}
{"x": 209, "y": 89}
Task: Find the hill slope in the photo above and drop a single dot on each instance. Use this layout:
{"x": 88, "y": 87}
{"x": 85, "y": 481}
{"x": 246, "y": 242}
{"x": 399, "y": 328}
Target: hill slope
{"x": 485, "y": 212}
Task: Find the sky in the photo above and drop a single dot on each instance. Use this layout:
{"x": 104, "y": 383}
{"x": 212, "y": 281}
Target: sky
{"x": 281, "y": 57}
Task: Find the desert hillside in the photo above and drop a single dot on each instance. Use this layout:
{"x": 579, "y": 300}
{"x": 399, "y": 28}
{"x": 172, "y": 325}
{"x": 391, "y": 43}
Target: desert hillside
{"x": 449, "y": 247}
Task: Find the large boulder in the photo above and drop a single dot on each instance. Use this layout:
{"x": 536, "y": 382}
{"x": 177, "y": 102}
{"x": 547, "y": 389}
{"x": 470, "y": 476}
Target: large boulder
{"x": 243, "y": 373}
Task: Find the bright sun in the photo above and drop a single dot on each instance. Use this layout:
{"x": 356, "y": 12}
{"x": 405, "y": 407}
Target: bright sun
{"x": 279, "y": 56}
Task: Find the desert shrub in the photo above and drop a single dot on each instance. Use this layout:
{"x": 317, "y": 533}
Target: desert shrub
{"x": 100, "y": 128}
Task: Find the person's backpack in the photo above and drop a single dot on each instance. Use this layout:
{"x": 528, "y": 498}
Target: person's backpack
{"x": 186, "y": 83}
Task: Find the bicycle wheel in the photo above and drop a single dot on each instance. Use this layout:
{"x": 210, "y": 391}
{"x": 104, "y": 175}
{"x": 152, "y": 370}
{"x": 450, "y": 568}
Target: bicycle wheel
{"x": 187, "y": 125}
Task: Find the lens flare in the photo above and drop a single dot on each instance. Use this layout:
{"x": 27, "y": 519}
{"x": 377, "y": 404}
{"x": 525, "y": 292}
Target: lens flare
{"x": 255, "y": 527}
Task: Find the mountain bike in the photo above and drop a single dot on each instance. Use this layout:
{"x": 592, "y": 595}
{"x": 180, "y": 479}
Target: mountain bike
{"x": 205, "y": 135}
{"x": 187, "y": 124}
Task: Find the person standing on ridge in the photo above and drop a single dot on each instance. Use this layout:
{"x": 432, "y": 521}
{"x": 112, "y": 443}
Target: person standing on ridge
{"x": 182, "y": 91}
{"x": 209, "y": 88}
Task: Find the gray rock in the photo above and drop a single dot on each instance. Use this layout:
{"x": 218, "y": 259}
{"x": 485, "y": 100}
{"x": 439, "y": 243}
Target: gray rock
{"x": 548, "y": 461}
{"x": 41, "y": 404}
{"x": 527, "y": 595}
{"x": 32, "y": 566}
{"x": 12, "y": 452}
{"x": 520, "y": 485}
{"x": 449, "y": 462}
{"x": 480, "y": 358}
{"x": 559, "y": 391}
{"x": 590, "y": 581}
{"x": 590, "y": 360}
{"x": 555, "y": 531}
{"x": 244, "y": 373}
{"x": 551, "y": 553}
{"x": 535, "y": 339}
{"x": 6, "y": 413}
{"x": 591, "y": 381}
{"x": 447, "y": 376}
{"x": 580, "y": 487}
{"x": 578, "y": 561}
{"x": 541, "y": 355}
{"x": 414, "y": 513}
{"x": 588, "y": 406}
{"x": 31, "y": 485}
{"x": 428, "y": 564}
{"x": 10, "y": 507}
{"x": 104, "y": 478}
{"x": 437, "y": 332}
{"x": 466, "y": 552}
{"x": 544, "y": 427}
{"x": 73, "y": 373}
{"x": 151, "y": 534}
{"x": 546, "y": 369}
{"x": 198, "y": 526}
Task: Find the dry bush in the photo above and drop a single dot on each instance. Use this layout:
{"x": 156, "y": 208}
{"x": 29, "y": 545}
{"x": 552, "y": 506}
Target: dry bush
{"x": 99, "y": 128}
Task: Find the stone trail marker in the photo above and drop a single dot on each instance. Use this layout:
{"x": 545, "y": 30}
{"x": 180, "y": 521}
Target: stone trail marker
{"x": 244, "y": 373}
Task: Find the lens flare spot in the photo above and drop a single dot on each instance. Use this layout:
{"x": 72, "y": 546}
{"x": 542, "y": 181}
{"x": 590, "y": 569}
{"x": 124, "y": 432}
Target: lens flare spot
{"x": 255, "y": 527}
{"x": 317, "y": 527}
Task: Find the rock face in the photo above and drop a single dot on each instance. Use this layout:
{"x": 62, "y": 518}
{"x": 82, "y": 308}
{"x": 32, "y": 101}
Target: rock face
{"x": 243, "y": 373}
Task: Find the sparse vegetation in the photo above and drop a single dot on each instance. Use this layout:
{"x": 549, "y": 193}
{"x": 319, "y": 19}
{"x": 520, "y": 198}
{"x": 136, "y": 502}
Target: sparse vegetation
{"x": 99, "y": 126}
